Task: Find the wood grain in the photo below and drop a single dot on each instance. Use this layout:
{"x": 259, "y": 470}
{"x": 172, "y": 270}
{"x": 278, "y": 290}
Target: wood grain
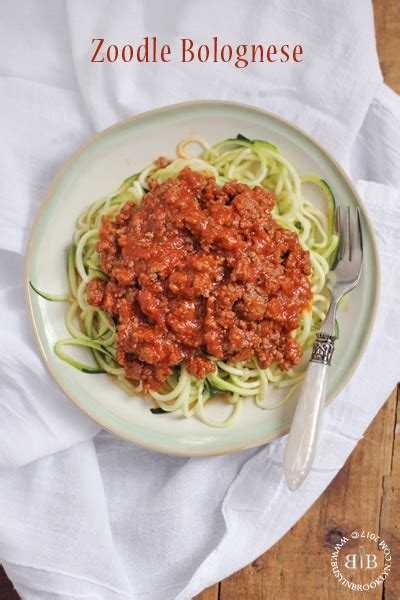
{"x": 7, "y": 591}
{"x": 387, "y": 26}
{"x": 362, "y": 498}
{"x": 212, "y": 593}
{"x": 390, "y": 513}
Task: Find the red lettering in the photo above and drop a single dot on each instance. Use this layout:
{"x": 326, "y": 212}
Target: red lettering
{"x": 241, "y": 52}
{"x": 271, "y": 50}
{"x": 165, "y": 50}
{"x": 254, "y": 49}
{"x": 215, "y": 49}
{"x": 101, "y": 42}
{"x": 230, "y": 52}
{"x": 297, "y": 50}
{"x": 143, "y": 51}
{"x": 187, "y": 45}
{"x": 150, "y": 51}
{"x": 203, "y": 56}
{"x": 285, "y": 53}
{"x": 115, "y": 48}
{"x": 154, "y": 43}
{"x": 125, "y": 49}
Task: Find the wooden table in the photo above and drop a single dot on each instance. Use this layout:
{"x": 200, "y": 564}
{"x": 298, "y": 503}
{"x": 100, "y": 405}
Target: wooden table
{"x": 364, "y": 495}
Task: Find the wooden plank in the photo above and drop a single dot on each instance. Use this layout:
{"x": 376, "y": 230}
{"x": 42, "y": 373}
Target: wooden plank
{"x": 7, "y": 591}
{"x": 210, "y": 593}
{"x": 390, "y": 513}
{"x": 387, "y": 26}
{"x": 298, "y": 566}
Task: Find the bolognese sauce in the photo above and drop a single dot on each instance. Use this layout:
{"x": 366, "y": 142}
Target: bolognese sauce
{"x": 196, "y": 271}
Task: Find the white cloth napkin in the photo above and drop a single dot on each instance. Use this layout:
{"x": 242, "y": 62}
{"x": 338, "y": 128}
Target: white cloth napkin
{"x": 90, "y": 516}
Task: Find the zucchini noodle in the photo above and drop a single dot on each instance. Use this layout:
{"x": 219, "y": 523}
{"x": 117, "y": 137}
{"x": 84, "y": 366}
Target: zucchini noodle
{"x": 253, "y": 162}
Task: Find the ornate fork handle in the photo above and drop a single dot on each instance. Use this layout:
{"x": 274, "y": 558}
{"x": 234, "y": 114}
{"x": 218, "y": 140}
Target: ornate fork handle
{"x": 323, "y": 348}
{"x": 303, "y": 438}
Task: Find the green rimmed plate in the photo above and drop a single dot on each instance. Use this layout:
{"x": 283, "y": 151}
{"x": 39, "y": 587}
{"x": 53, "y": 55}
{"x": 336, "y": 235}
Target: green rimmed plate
{"x": 97, "y": 169}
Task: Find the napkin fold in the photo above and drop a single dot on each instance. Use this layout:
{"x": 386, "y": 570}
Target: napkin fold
{"x": 91, "y": 516}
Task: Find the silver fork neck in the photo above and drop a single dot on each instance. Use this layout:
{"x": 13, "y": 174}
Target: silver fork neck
{"x": 328, "y": 326}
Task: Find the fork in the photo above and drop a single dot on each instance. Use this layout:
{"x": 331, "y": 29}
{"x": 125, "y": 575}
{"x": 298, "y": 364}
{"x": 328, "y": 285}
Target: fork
{"x": 306, "y": 425}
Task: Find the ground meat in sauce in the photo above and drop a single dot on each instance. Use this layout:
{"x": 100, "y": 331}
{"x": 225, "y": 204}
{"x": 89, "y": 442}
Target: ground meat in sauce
{"x": 196, "y": 270}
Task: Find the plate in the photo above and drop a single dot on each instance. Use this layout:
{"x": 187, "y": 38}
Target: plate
{"x": 97, "y": 169}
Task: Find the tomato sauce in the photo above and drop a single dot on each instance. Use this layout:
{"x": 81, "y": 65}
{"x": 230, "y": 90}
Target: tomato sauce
{"x": 199, "y": 270}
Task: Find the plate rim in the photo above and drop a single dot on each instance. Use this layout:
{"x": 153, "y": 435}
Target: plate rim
{"x": 46, "y": 200}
